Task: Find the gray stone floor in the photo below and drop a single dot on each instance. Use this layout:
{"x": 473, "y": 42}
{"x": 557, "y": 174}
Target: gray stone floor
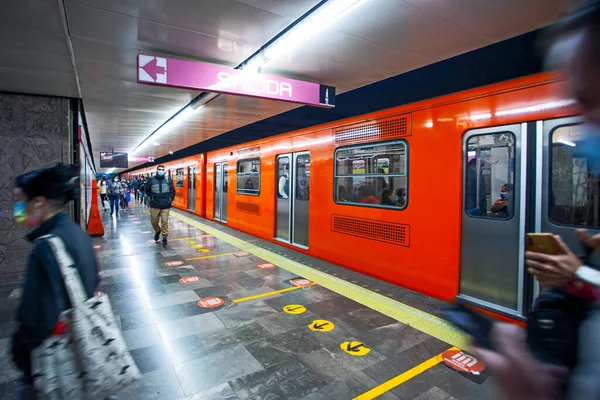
{"x": 250, "y": 349}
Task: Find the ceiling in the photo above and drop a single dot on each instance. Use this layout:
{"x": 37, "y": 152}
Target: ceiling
{"x": 88, "y": 49}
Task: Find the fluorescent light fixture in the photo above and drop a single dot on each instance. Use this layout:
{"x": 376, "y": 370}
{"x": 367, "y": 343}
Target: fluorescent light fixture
{"x": 315, "y": 23}
{"x": 156, "y": 144}
{"x": 572, "y": 144}
{"x": 536, "y": 108}
{"x": 480, "y": 117}
{"x": 428, "y": 124}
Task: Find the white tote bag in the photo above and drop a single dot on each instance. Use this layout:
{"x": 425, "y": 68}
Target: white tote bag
{"x": 90, "y": 361}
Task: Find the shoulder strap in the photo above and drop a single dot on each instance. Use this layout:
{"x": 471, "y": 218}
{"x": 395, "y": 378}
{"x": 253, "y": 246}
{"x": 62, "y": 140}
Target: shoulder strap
{"x": 70, "y": 275}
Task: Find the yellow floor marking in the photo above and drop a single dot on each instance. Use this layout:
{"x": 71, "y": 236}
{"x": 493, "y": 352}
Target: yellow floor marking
{"x": 258, "y": 296}
{"x": 213, "y": 256}
{"x": 400, "y": 379}
{"x": 414, "y": 317}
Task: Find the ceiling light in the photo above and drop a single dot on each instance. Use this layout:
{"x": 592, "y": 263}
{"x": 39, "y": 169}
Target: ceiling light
{"x": 156, "y": 144}
{"x": 572, "y": 144}
{"x": 314, "y": 23}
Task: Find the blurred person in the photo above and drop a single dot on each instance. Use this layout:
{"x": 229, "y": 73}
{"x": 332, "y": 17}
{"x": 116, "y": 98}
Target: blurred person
{"x": 142, "y": 191}
{"x": 124, "y": 194}
{"x": 399, "y": 199}
{"x": 136, "y": 186}
{"x": 500, "y": 207}
{"x": 366, "y": 195}
{"x": 160, "y": 192}
{"x": 476, "y": 205}
{"x": 102, "y": 190}
{"x": 386, "y": 197}
{"x": 575, "y": 42}
{"x": 114, "y": 195}
{"x": 40, "y": 200}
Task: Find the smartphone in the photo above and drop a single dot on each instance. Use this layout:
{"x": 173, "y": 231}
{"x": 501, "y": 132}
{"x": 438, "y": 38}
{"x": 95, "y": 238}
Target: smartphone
{"x": 476, "y": 325}
{"x": 541, "y": 243}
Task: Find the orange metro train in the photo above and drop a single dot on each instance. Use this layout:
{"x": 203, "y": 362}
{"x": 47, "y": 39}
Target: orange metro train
{"x": 434, "y": 196}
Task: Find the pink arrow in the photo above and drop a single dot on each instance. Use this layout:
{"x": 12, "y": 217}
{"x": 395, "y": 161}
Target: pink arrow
{"x": 153, "y": 69}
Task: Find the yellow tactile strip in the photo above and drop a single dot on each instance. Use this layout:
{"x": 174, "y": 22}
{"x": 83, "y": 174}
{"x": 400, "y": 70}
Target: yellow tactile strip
{"x": 416, "y": 318}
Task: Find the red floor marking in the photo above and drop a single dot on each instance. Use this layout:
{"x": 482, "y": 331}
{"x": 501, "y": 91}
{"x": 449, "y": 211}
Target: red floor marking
{"x": 189, "y": 279}
{"x": 266, "y": 266}
{"x": 240, "y": 254}
{"x": 173, "y": 263}
{"x": 211, "y": 302}
{"x": 462, "y": 362}
{"x": 300, "y": 282}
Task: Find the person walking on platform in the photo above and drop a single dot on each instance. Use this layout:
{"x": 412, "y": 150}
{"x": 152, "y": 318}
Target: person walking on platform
{"x": 124, "y": 194}
{"x": 161, "y": 192}
{"x": 136, "y": 186}
{"x": 114, "y": 194}
{"x": 41, "y": 197}
{"x": 102, "y": 190}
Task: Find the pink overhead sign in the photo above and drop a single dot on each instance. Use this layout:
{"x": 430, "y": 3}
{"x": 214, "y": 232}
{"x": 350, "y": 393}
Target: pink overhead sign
{"x": 215, "y": 78}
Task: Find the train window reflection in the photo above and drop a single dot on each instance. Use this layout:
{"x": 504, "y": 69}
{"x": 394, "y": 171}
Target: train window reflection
{"x": 373, "y": 175}
{"x": 490, "y": 175}
{"x": 574, "y": 197}
{"x": 303, "y": 177}
{"x": 248, "y": 177}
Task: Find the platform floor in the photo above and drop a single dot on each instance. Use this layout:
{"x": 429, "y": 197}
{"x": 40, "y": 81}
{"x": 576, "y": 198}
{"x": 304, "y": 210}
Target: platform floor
{"x": 249, "y": 347}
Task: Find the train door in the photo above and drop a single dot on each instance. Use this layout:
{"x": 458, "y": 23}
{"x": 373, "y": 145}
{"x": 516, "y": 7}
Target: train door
{"x": 192, "y": 189}
{"x": 493, "y": 217}
{"x": 552, "y": 185}
{"x": 292, "y": 196}
{"x": 221, "y": 182}
{"x": 569, "y": 188}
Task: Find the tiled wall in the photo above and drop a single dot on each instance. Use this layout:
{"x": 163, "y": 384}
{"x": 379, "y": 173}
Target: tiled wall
{"x": 34, "y": 133}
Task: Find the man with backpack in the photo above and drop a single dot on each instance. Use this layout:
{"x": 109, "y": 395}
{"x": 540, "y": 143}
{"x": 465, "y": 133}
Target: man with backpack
{"x": 161, "y": 193}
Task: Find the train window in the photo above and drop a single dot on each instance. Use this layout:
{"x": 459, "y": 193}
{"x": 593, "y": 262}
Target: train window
{"x": 248, "y": 177}
{"x": 373, "y": 175}
{"x": 574, "y": 181}
{"x": 490, "y": 176}
{"x": 303, "y": 177}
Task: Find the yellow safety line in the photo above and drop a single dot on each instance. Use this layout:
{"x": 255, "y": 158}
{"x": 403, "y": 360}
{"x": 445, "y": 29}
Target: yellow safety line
{"x": 400, "y": 379}
{"x": 213, "y": 256}
{"x": 258, "y": 296}
{"x": 414, "y": 317}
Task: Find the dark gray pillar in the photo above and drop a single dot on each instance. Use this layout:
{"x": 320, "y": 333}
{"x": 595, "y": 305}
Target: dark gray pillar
{"x": 35, "y": 132}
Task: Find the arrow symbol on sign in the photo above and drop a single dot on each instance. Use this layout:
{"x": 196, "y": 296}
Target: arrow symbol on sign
{"x": 153, "y": 69}
{"x": 321, "y": 326}
{"x": 354, "y": 349}
{"x": 292, "y": 309}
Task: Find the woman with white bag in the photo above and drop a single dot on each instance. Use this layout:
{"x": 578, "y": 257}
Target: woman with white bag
{"x": 61, "y": 322}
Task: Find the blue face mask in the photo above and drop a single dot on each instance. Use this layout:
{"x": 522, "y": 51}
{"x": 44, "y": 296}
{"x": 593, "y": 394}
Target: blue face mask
{"x": 19, "y": 212}
{"x": 394, "y": 199}
{"x": 160, "y": 173}
{"x": 503, "y": 196}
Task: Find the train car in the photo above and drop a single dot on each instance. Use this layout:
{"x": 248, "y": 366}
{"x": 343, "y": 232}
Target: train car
{"x": 434, "y": 196}
{"x": 189, "y": 178}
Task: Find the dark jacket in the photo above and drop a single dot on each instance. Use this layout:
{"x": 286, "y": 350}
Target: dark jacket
{"x": 161, "y": 192}
{"x": 44, "y": 295}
